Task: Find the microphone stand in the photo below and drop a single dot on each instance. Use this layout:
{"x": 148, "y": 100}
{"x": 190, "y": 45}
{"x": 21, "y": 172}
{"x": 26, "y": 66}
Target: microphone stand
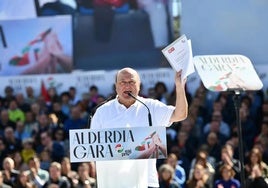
{"x": 149, "y": 113}
{"x": 237, "y": 105}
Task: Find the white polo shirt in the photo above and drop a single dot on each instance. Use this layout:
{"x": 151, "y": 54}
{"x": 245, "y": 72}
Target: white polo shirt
{"x": 139, "y": 173}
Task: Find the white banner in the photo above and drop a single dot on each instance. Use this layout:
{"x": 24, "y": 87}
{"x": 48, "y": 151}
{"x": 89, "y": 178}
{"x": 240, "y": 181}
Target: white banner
{"x": 82, "y": 80}
{"x": 223, "y": 72}
{"x": 117, "y": 144}
{"x": 104, "y": 80}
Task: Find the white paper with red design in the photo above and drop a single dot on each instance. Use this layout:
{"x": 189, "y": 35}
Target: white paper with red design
{"x": 180, "y": 57}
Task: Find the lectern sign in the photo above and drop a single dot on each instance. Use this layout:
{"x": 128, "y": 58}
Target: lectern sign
{"x": 117, "y": 144}
{"x": 223, "y": 72}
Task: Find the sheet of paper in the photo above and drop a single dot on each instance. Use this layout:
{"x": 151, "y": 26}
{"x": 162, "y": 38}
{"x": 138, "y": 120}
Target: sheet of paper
{"x": 180, "y": 57}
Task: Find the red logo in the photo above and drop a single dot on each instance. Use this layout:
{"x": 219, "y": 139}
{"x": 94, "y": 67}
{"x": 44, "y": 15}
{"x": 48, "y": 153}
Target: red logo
{"x": 171, "y": 50}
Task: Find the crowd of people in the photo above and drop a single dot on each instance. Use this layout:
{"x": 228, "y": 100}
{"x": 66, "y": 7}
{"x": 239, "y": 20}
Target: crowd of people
{"x": 202, "y": 149}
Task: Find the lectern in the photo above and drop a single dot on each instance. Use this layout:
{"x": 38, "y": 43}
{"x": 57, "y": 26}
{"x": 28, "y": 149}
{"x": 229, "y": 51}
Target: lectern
{"x": 234, "y": 73}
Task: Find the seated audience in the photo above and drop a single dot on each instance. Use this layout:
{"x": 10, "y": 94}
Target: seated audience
{"x": 227, "y": 180}
{"x": 166, "y": 177}
{"x": 200, "y": 178}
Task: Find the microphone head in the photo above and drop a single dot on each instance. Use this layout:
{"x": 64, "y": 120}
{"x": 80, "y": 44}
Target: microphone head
{"x": 131, "y": 95}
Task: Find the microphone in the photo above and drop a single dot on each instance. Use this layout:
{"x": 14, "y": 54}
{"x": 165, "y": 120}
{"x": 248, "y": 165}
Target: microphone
{"x": 149, "y": 113}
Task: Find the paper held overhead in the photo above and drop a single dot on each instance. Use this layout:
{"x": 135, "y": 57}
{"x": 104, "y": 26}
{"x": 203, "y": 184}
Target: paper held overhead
{"x": 180, "y": 57}
{"x": 227, "y": 72}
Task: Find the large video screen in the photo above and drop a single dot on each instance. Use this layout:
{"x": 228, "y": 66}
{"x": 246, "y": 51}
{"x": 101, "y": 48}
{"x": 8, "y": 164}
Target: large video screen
{"x": 36, "y": 46}
{"x": 127, "y": 41}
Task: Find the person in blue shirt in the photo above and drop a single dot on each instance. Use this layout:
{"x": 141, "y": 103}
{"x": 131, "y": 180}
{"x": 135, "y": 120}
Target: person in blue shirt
{"x": 227, "y": 180}
{"x": 75, "y": 122}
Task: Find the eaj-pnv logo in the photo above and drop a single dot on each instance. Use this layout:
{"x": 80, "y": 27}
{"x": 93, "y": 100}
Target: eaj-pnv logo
{"x": 119, "y": 148}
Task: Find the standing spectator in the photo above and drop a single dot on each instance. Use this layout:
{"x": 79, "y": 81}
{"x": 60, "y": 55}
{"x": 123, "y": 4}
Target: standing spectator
{"x": 227, "y": 180}
{"x": 166, "y": 180}
{"x": 55, "y": 177}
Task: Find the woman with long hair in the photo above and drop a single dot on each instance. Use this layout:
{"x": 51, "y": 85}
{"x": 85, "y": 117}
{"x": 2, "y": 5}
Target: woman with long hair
{"x": 255, "y": 160}
{"x": 200, "y": 178}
